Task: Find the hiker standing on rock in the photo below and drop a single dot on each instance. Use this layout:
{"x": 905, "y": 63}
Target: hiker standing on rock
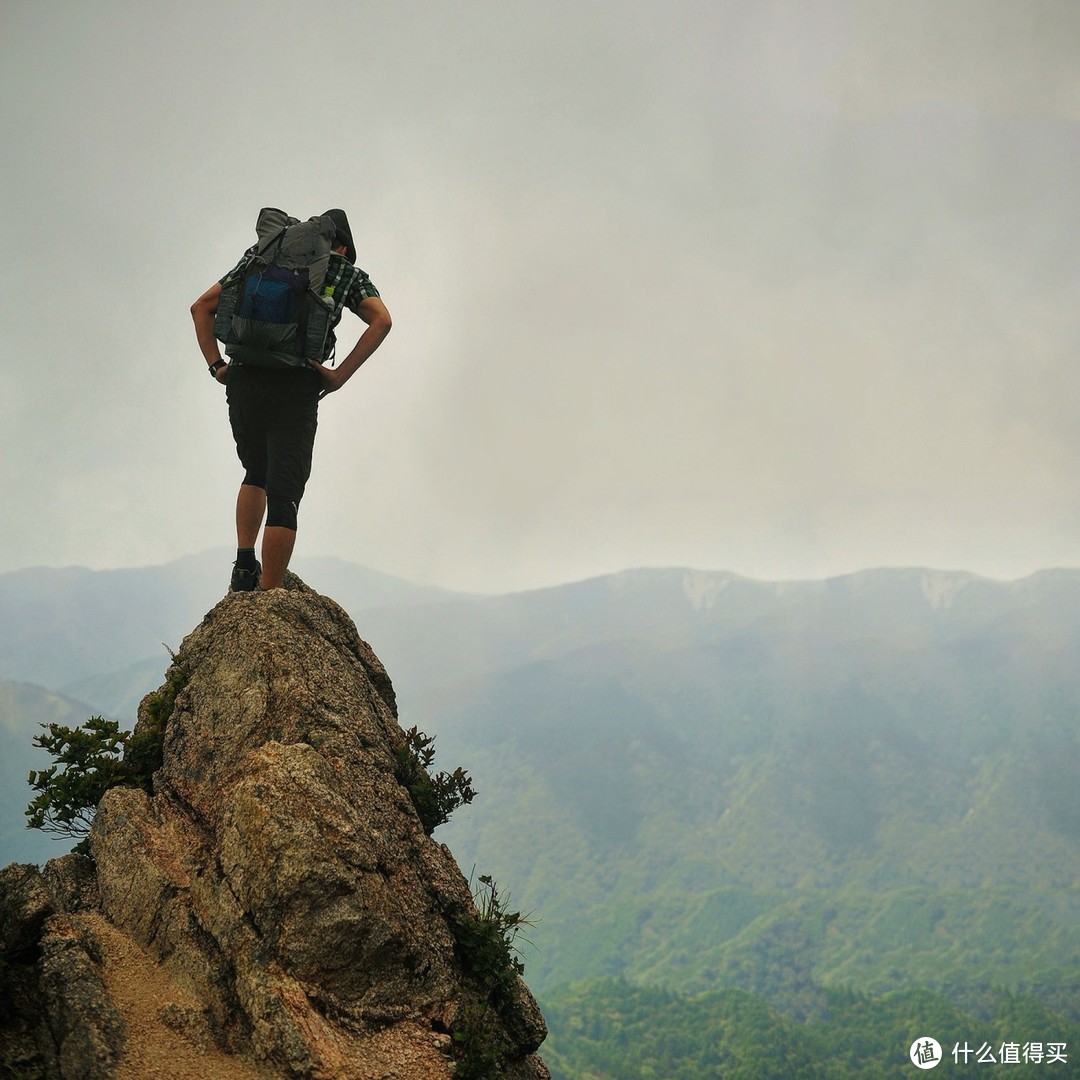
{"x": 275, "y": 312}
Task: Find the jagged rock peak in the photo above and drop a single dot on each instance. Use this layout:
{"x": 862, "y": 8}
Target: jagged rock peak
{"x": 279, "y": 873}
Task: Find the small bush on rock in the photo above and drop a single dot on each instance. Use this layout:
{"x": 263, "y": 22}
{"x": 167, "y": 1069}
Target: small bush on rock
{"x": 487, "y": 944}
{"x": 90, "y": 759}
{"x": 435, "y": 797}
{"x": 146, "y": 747}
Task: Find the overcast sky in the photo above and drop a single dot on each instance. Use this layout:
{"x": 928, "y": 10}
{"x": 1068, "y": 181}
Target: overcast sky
{"x": 786, "y": 288}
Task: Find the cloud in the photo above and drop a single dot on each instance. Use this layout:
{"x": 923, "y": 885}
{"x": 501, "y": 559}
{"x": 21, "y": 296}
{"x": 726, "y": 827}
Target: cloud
{"x": 998, "y": 57}
{"x": 755, "y": 286}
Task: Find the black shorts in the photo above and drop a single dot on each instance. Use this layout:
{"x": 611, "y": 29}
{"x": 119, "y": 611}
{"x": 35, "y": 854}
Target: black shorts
{"x": 274, "y": 415}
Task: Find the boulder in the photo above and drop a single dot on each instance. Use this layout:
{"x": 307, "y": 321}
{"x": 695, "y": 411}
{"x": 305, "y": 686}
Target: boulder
{"x": 279, "y": 868}
{"x": 265, "y": 898}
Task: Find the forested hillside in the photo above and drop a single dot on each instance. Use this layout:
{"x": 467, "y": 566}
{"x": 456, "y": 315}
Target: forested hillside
{"x": 868, "y": 783}
{"x": 611, "y": 1030}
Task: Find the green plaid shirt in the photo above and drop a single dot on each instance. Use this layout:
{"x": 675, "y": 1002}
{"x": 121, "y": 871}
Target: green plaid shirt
{"x": 347, "y": 284}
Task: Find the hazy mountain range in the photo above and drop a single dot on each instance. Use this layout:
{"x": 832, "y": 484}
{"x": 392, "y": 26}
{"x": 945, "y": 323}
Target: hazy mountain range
{"x": 696, "y": 780}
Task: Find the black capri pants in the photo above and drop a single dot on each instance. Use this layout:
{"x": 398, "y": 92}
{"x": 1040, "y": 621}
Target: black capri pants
{"x": 274, "y": 415}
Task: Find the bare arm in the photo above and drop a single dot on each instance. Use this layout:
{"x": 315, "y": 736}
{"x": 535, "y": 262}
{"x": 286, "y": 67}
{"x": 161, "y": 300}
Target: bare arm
{"x": 373, "y": 312}
{"x": 202, "y": 314}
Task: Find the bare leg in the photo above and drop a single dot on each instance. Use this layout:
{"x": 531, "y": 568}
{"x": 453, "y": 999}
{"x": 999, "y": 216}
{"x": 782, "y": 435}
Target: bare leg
{"x": 250, "y": 510}
{"x": 277, "y": 548}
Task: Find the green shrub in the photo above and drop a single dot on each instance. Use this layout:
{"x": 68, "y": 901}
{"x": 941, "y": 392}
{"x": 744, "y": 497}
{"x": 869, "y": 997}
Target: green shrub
{"x": 146, "y": 746}
{"x": 87, "y": 762}
{"x": 488, "y": 942}
{"x": 90, "y": 759}
{"x": 435, "y": 797}
{"x": 487, "y": 945}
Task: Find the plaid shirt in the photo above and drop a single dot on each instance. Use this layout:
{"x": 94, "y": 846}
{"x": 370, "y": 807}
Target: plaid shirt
{"x": 347, "y": 284}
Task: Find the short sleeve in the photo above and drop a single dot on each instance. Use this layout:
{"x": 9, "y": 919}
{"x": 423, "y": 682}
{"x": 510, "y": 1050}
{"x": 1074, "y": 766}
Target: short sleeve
{"x": 360, "y": 289}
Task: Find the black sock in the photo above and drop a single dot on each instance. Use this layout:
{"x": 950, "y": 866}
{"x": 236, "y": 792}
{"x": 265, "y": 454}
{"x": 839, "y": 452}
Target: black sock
{"x": 245, "y": 557}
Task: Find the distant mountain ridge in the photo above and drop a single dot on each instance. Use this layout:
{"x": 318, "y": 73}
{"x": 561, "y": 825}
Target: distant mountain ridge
{"x": 59, "y": 626}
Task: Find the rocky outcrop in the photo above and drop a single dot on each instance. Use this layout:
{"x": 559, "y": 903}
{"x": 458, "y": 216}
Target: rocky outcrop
{"x": 279, "y": 873}
{"x": 58, "y": 1018}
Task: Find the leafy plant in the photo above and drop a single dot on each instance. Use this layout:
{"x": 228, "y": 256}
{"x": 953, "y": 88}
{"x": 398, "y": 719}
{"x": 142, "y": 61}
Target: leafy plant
{"x": 144, "y": 754}
{"x": 480, "y": 1044}
{"x": 435, "y": 797}
{"x": 90, "y": 759}
{"x": 487, "y": 944}
{"x": 87, "y": 762}
{"x": 488, "y": 941}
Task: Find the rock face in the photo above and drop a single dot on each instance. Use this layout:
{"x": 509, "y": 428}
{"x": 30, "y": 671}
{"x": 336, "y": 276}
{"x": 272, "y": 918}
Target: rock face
{"x": 280, "y": 873}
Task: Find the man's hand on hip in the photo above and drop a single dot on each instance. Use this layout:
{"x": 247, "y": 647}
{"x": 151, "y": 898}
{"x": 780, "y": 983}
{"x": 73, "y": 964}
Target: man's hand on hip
{"x": 332, "y": 378}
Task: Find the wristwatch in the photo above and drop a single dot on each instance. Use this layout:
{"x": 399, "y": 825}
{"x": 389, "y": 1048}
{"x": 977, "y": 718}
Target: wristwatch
{"x": 213, "y": 368}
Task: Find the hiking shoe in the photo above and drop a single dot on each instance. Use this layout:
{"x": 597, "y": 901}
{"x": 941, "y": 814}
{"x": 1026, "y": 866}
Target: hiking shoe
{"x": 244, "y": 578}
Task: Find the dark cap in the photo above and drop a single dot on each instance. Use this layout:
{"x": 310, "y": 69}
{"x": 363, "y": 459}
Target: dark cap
{"x": 344, "y": 233}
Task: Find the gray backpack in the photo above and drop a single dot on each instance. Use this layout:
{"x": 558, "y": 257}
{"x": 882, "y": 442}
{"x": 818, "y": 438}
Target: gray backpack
{"x": 273, "y": 314}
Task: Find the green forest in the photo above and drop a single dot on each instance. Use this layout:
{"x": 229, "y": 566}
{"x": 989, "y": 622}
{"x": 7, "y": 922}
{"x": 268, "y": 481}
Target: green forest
{"x": 610, "y": 1030}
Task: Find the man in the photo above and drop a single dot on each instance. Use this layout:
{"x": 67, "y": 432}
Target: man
{"x": 274, "y": 413}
